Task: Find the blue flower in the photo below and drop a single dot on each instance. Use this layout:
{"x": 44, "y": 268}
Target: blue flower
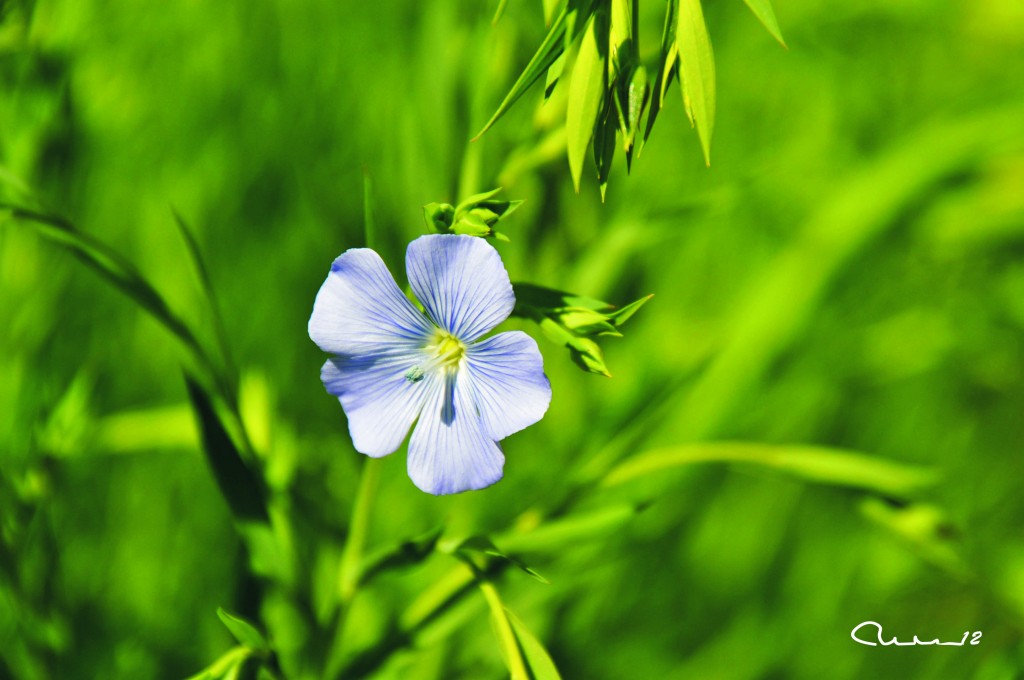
{"x": 395, "y": 365}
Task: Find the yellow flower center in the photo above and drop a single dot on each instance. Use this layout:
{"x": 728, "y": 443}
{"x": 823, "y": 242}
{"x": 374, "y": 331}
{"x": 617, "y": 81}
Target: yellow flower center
{"x": 447, "y": 349}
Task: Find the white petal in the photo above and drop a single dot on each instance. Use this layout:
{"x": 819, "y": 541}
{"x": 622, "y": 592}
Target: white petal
{"x": 360, "y": 310}
{"x": 449, "y": 451}
{"x": 381, "y": 402}
{"x": 510, "y": 389}
{"x": 461, "y": 282}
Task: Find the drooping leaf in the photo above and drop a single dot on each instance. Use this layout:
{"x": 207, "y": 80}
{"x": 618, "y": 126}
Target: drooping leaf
{"x": 604, "y": 142}
{"x": 554, "y": 74}
{"x": 632, "y": 99}
{"x": 543, "y": 58}
{"x": 621, "y": 46}
{"x": 541, "y": 665}
{"x": 666, "y": 68}
{"x": 236, "y": 481}
{"x": 697, "y": 69}
{"x": 245, "y": 632}
{"x": 586, "y": 92}
{"x": 812, "y": 464}
{"x": 404, "y": 554}
{"x": 762, "y": 9}
{"x": 577, "y": 12}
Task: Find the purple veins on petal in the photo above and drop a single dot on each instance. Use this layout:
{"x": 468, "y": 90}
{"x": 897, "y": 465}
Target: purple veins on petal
{"x": 461, "y": 282}
{"x": 449, "y": 451}
{"x": 360, "y": 309}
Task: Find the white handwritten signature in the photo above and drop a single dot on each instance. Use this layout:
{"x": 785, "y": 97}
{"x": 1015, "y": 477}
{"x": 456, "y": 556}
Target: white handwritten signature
{"x": 975, "y": 638}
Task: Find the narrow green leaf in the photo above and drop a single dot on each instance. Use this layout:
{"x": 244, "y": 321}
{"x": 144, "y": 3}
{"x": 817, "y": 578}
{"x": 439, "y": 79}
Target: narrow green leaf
{"x": 510, "y": 651}
{"x": 762, "y": 9}
{"x": 604, "y": 142}
{"x": 245, "y": 632}
{"x": 809, "y": 463}
{"x": 633, "y": 99}
{"x": 554, "y": 74}
{"x": 577, "y": 14}
{"x": 499, "y": 12}
{"x": 405, "y": 554}
{"x": 569, "y": 530}
{"x": 583, "y": 351}
{"x": 228, "y": 377}
{"x": 226, "y": 665}
{"x": 543, "y": 58}
{"x": 111, "y": 266}
{"x": 582, "y": 321}
{"x": 543, "y": 298}
{"x": 926, "y": 530}
{"x": 541, "y": 665}
{"x": 549, "y": 10}
{"x": 697, "y": 68}
{"x": 586, "y": 92}
{"x": 477, "y": 198}
{"x": 666, "y": 68}
{"x": 620, "y": 37}
{"x": 237, "y": 483}
{"x": 485, "y": 546}
{"x": 623, "y": 314}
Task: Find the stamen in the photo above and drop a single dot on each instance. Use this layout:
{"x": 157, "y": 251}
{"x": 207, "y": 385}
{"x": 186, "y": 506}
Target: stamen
{"x": 446, "y": 350}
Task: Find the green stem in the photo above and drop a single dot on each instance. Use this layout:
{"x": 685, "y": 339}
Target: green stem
{"x": 352, "y": 557}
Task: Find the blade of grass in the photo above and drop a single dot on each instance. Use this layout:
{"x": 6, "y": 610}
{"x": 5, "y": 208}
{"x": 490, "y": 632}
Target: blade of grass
{"x": 810, "y": 463}
{"x": 239, "y": 486}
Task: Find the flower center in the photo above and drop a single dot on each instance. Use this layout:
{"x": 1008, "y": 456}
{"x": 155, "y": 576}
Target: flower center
{"x": 447, "y": 350}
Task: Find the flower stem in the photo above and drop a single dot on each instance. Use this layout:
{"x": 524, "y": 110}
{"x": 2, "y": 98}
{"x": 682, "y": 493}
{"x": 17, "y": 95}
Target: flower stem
{"x": 348, "y": 574}
{"x": 351, "y": 558}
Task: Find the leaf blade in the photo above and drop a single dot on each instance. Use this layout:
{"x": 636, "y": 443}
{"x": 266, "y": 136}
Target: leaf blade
{"x": 235, "y": 479}
{"x": 541, "y": 665}
{"x": 586, "y": 90}
{"x": 245, "y": 632}
{"x": 546, "y": 55}
{"x": 762, "y": 9}
{"x": 831, "y": 467}
{"x": 697, "y": 68}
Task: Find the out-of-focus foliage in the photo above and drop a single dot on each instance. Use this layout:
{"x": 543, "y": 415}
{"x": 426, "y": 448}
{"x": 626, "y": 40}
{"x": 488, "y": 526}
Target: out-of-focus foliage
{"x": 595, "y": 45}
{"x": 846, "y": 277}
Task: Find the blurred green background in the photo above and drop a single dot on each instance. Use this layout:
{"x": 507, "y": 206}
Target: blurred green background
{"x": 848, "y": 273}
